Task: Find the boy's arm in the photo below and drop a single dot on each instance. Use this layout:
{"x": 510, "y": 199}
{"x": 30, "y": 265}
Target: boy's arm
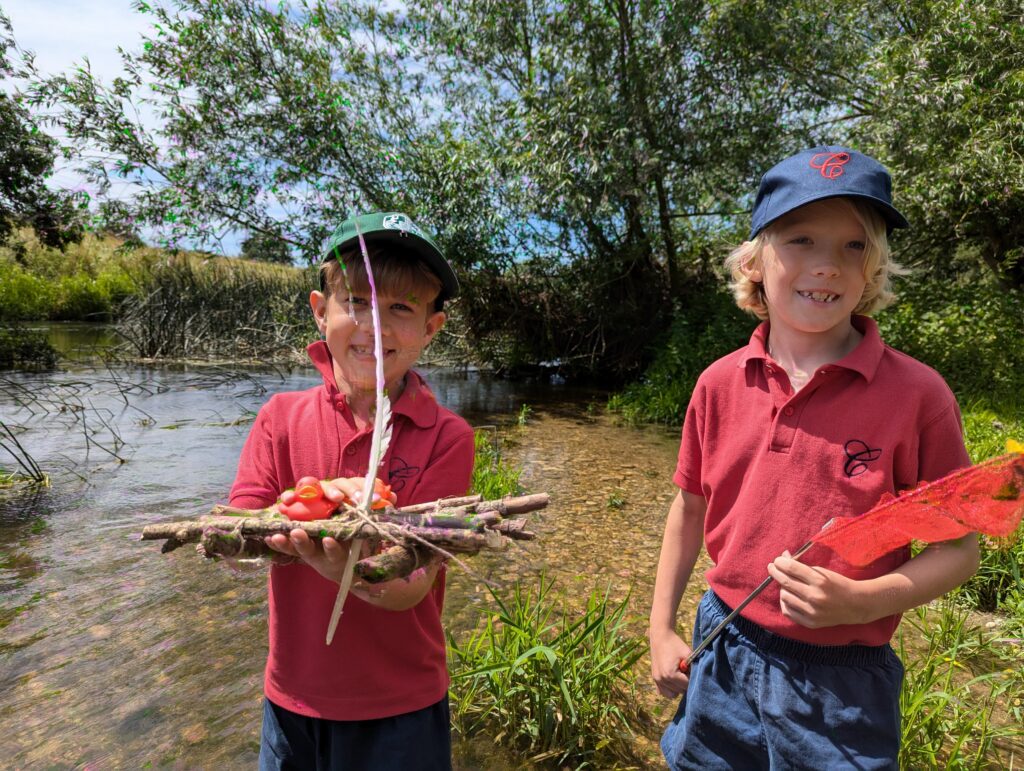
{"x": 815, "y": 597}
{"x": 680, "y": 547}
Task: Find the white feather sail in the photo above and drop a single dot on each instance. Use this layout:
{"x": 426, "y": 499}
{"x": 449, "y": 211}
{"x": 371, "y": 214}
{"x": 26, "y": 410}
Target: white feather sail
{"x": 378, "y": 443}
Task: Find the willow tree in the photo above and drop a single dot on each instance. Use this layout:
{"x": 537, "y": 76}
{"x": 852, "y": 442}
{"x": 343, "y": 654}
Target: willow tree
{"x": 574, "y": 156}
{"x": 238, "y": 115}
{"x": 947, "y": 116}
{"x": 626, "y": 135}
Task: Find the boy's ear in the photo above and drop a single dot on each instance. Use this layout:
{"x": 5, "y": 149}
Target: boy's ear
{"x": 318, "y": 303}
{"x": 752, "y": 269}
{"x": 434, "y": 323}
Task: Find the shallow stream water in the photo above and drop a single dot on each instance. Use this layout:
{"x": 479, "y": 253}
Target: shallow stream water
{"x": 115, "y": 656}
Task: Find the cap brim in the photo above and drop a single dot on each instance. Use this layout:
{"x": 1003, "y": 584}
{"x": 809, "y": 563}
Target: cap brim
{"x": 413, "y": 243}
{"x": 891, "y": 216}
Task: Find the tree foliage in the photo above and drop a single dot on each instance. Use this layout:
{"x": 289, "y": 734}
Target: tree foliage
{"x": 264, "y": 248}
{"x": 26, "y": 158}
{"x": 581, "y": 161}
{"x": 947, "y": 116}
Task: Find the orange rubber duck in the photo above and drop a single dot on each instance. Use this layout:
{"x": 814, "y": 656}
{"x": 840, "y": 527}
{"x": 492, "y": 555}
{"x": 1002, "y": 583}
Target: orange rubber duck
{"x": 306, "y": 501}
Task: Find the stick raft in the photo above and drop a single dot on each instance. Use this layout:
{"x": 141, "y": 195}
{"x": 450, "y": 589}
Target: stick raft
{"x": 464, "y": 525}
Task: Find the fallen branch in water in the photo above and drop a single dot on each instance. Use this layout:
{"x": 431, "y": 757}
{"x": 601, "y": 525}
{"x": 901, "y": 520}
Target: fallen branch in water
{"x": 463, "y": 525}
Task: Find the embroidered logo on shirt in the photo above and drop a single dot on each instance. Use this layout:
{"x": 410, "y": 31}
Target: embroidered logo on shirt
{"x": 399, "y": 471}
{"x": 830, "y": 164}
{"x": 858, "y": 456}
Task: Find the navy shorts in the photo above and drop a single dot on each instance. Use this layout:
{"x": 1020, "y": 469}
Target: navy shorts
{"x": 415, "y": 741}
{"x": 758, "y": 700}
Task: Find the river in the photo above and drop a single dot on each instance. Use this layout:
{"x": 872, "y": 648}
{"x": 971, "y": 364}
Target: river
{"x": 115, "y": 656}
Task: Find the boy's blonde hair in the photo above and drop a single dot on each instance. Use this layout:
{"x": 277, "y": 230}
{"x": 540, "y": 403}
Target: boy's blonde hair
{"x": 394, "y": 271}
{"x": 878, "y": 264}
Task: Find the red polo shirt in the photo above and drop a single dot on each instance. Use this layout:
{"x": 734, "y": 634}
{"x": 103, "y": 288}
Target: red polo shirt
{"x": 381, "y": 662}
{"x": 775, "y": 466}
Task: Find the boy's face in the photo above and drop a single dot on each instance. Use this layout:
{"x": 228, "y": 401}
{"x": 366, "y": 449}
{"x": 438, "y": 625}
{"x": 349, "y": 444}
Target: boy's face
{"x": 812, "y": 268}
{"x": 408, "y": 324}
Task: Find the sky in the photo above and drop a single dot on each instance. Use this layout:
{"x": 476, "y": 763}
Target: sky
{"x": 62, "y": 33}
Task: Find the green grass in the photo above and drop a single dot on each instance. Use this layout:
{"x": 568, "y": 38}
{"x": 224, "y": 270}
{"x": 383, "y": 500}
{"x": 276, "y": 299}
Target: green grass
{"x": 554, "y": 685}
{"x": 952, "y": 717}
{"x": 492, "y": 476}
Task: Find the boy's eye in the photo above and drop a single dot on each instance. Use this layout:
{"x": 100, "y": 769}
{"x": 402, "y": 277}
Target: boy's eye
{"x": 856, "y": 245}
{"x": 356, "y": 300}
{"x": 800, "y": 240}
{"x": 401, "y": 307}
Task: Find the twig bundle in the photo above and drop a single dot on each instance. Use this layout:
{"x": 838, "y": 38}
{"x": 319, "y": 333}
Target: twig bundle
{"x": 463, "y": 525}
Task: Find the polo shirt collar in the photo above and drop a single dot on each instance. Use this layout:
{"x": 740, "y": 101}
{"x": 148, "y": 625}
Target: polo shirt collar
{"x": 864, "y": 359}
{"x": 417, "y": 401}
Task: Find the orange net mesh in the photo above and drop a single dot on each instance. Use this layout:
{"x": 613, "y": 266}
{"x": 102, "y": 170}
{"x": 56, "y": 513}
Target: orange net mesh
{"x": 987, "y": 498}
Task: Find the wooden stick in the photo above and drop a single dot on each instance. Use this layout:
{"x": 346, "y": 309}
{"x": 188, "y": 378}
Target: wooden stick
{"x": 441, "y": 526}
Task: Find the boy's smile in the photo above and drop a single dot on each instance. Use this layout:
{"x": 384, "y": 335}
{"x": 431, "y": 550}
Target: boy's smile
{"x": 812, "y": 270}
{"x": 345, "y": 320}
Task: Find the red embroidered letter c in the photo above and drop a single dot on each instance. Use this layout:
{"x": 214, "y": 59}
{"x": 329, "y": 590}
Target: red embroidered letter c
{"x": 830, "y": 164}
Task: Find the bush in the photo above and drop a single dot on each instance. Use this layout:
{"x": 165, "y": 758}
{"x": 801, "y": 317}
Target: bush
{"x": 23, "y": 296}
{"x": 969, "y": 329}
{"x": 707, "y": 326}
{"x": 86, "y": 282}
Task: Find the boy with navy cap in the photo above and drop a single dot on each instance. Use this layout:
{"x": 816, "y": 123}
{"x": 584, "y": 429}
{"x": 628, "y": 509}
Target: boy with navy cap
{"x": 377, "y": 697}
{"x": 814, "y": 418}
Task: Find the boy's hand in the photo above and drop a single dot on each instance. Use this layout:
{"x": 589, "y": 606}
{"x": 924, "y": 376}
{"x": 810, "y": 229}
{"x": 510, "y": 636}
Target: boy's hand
{"x": 343, "y": 489}
{"x": 667, "y": 650}
{"x": 327, "y": 558}
{"x": 350, "y": 490}
{"x": 813, "y": 596}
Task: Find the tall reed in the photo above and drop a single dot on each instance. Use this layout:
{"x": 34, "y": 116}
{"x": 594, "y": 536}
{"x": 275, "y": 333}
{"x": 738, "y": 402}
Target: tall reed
{"x": 206, "y": 308}
{"x": 30, "y": 470}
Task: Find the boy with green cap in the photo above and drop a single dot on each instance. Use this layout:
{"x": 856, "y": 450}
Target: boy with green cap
{"x": 377, "y": 697}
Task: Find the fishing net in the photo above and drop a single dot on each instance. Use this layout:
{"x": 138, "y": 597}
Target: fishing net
{"x": 986, "y": 498}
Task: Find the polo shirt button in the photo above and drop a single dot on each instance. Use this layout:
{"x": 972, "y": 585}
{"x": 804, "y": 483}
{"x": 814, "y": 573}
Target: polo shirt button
{"x": 769, "y": 369}
{"x": 350, "y": 450}
{"x": 788, "y": 410}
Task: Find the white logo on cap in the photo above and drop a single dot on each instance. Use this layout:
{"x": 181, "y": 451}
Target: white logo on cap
{"x": 401, "y": 222}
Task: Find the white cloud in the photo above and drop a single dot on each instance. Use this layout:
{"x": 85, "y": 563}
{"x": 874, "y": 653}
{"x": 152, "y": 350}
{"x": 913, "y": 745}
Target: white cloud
{"x": 62, "y": 32}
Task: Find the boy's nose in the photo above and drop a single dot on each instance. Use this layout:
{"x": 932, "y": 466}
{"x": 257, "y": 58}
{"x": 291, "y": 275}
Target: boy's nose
{"x": 827, "y": 262}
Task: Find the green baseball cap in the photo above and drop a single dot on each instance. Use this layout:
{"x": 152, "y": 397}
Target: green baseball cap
{"x": 392, "y": 227}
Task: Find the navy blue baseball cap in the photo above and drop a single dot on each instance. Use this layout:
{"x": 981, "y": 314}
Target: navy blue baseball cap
{"x": 823, "y": 172}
